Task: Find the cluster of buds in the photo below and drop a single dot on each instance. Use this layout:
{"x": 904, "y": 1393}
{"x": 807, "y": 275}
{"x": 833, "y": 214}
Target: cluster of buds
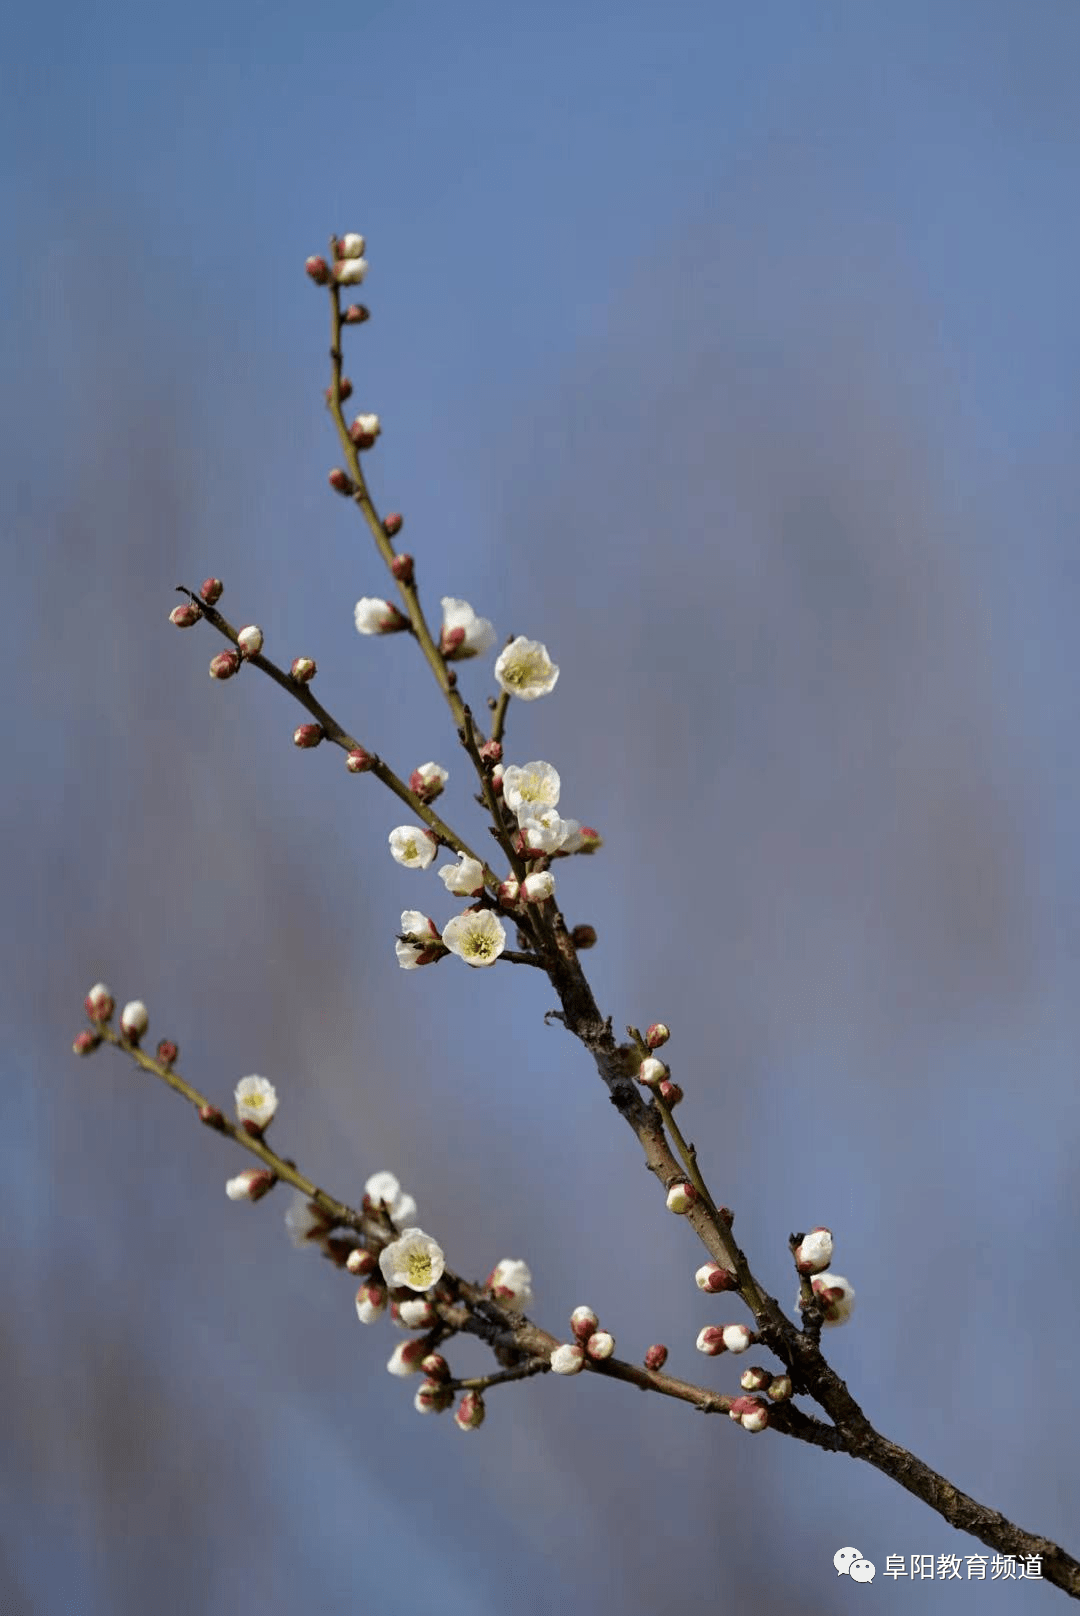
{"x": 349, "y": 265}
{"x": 752, "y": 1413}
{"x": 717, "y": 1338}
{"x": 590, "y": 1343}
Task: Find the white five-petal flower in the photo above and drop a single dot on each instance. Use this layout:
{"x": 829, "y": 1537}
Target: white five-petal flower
{"x": 464, "y": 879}
{"x": 411, "y": 954}
{"x": 478, "y": 936}
{"x": 373, "y": 616}
{"x": 531, "y": 788}
{"x": 525, "y": 670}
{"x": 414, "y": 1260}
{"x": 256, "y": 1100}
{"x": 463, "y": 633}
{"x": 413, "y": 846}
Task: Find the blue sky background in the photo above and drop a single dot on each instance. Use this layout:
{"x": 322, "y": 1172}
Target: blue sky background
{"x": 732, "y": 352}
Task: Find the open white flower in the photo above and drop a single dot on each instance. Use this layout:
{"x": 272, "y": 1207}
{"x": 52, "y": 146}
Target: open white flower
{"x": 525, "y": 670}
{"x": 463, "y": 633}
{"x": 530, "y": 788}
{"x": 415, "y": 1260}
{"x": 383, "y": 1189}
{"x": 836, "y": 1295}
{"x": 256, "y": 1100}
{"x": 413, "y": 846}
{"x": 543, "y": 831}
{"x": 464, "y": 879}
{"x": 477, "y": 936}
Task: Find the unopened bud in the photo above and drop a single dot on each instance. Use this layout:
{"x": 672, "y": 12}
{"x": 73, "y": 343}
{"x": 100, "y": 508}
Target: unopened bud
{"x": 402, "y": 568}
{"x": 212, "y": 1117}
{"x": 224, "y": 665}
{"x": 491, "y": 752}
{"x": 393, "y": 523}
{"x": 435, "y": 1366}
{"x": 656, "y": 1356}
{"x": 350, "y": 245}
{"x": 583, "y": 1322}
{"x": 370, "y": 1301}
{"x": 814, "y": 1252}
{"x": 307, "y": 735}
{"x": 251, "y": 1185}
{"x": 657, "y": 1035}
{"x": 85, "y": 1042}
{"x": 250, "y": 640}
{"x": 670, "y": 1093}
{"x": 780, "y": 1389}
{"x": 651, "y": 1071}
{"x": 358, "y": 761}
{"x": 710, "y": 1341}
{"x": 568, "y": 1359}
{"x": 469, "y": 1414}
{"x": 344, "y": 391}
{"x": 134, "y": 1020}
{"x": 364, "y": 430}
{"x": 340, "y": 481}
{"x": 167, "y": 1052}
{"x": 303, "y": 670}
{"x": 350, "y": 271}
{"x": 355, "y": 314}
{"x": 99, "y": 1004}
{"x": 600, "y": 1345}
{"x": 681, "y": 1196}
{"x": 755, "y": 1379}
{"x": 712, "y": 1277}
{"x": 752, "y": 1413}
{"x": 185, "y": 616}
{"x": 361, "y": 1262}
{"x": 318, "y": 269}
{"x": 211, "y": 590}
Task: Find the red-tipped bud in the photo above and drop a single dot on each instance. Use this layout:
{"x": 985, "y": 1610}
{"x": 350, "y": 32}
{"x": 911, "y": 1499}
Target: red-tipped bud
{"x": 583, "y": 1322}
{"x": 402, "y": 568}
{"x": 814, "y": 1252}
{"x": 657, "y": 1035}
{"x": 652, "y": 1072}
{"x": 364, "y": 430}
{"x": 344, "y": 391}
{"x": 656, "y": 1356}
{"x": 583, "y": 937}
{"x": 355, "y": 314}
{"x": 714, "y": 1278}
{"x": 250, "y": 640}
{"x": 670, "y": 1093}
{"x": 710, "y": 1341}
{"x": 469, "y": 1414}
{"x": 588, "y": 840}
{"x": 361, "y": 1262}
{"x": 167, "y": 1051}
{"x": 224, "y": 665}
{"x": 212, "y": 1117}
{"x": 358, "y": 761}
{"x": 303, "y": 670}
{"x": 681, "y": 1196}
{"x": 600, "y": 1345}
{"x": 85, "y": 1042}
{"x": 307, "y": 735}
{"x": 318, "y": 269}
{"x": 755, "y": 1379}
{"x": 752, "y": 1413}
{"x": 491, "y": 752}
{"x": 134, "y": 1020}
{"x": 185, "y": 616}
{"x": 99, "y": 1004}
{"x": 211, "y": 590}
{"x": 393, "y": 523}
{"x": 340, "y": 481}
{"x": 435, "y": 1366}
{"x": 250, "y": 1185}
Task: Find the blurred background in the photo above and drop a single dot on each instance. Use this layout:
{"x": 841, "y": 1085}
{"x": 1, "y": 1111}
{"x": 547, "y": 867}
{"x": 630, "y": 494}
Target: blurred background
{"x": 733, "y": 353}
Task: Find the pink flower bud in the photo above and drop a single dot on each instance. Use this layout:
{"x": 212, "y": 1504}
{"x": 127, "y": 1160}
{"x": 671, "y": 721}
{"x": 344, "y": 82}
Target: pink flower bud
{"x": 211, "y": 590}
{"x": 167, "y": 1052}
{"x": 340, "y": 481}
{"x": 469, "y": 1414}
{"x": 350, "y": 271}
{"x": 99, "y": 1004}
{"x": 355, "y": 314}
{"x": 710, "y": 1341}
{"x": 250, "y": 640}
{"x": 583, "y": 937}
{"x": 307, "y": 735}
{"x": 185, "y": 616}
{"x": 370, "y": 1301}
{"x": 303, "y": 670}
{"x": 85, "y": 1042}
{"x": 393, "y": 523}
{"x": 358, "y": 761}
{"x": 318, "y": 269}
{"x": 755, "y": 1379}
{"x": 509, "y": 891}
{"x": 600, "y": 1345}
{"x": 435, "y": 1366}
{"x": 712, "y": 1277}
{"x": 657, "y": 1035}
{"x": 583, "y": 1322}
{"x": 251, "y": 1185}
{"x": 212, "y": 1117}
{"x": 361, "y": 1262}
{"x": 344, "y": 391}
{"x": 402, "y": 568}
{"x": 814, "y": 1252}
{"x": 491, "y": 752}
{"x": 656, "y": 1356}
{"x": 432, "y": 1398}
{"x": 670, "y": 1093}
{"x": 364, "y": 430}
{"x": 224, "y": 665}
{"x": 752, "y": 1413}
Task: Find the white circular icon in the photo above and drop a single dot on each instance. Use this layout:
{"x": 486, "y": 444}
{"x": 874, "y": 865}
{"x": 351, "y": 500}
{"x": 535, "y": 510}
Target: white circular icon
{"x": 843, "y": 1559}
{"x": 861, "y": 1571}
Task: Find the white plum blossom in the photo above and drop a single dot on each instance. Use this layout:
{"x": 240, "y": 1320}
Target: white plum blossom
{"x": 428, "y": 781}
{"x": 814, "y": 1252}
{"x": 530, "y": 787}
{"x": 350, "y": 271}
{"x": 250, "y": 1185}
{"x": 414, "y": 1260}
{"x": 478, "y": 936}
{"x": 413, "y": 846}
{"x": 373, "y": 616}
{"x": 416, "y": 924}
{"x": 569, "y": 1359}
{"x": 464, "y": 879}
{"x": 367, "y": 426}
{"x": 351, "y": 245}
{"x": 463, "y": 633}
{"x": 256, "y": 1100}
{"x": 543, "y": 832}
{"x": 134, "y": 1020}
{"x": 525, "y": 670}
{"x": 511, "y": 1281}
{"x": 416, "y": 1313}
{"x": 405, "y": 1359}
{"x": 383, "y": 1189}
{"x": 836, "y": 1295}
{"x": 303, "y": 1219}
{"x": 538, "y": 886}
{"x": 370, "y": 1301}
